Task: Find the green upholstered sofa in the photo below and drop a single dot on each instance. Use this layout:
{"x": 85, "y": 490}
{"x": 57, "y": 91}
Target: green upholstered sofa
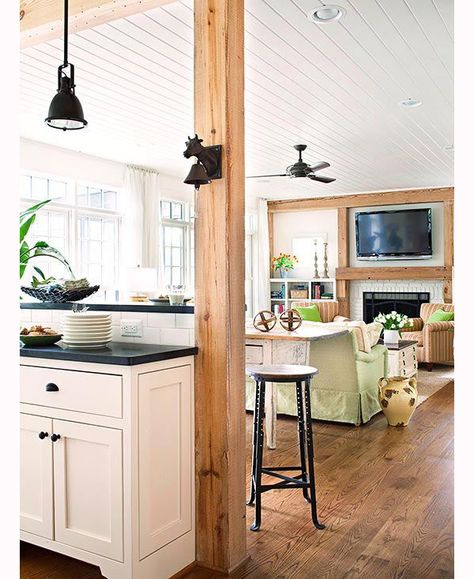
{"x": 346, "y": 388}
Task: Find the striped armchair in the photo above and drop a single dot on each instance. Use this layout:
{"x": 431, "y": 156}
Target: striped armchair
{"x": 435, "y": 340}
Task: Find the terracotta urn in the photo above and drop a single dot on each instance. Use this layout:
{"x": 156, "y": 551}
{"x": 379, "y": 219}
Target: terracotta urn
{"x": 397, "y": 397}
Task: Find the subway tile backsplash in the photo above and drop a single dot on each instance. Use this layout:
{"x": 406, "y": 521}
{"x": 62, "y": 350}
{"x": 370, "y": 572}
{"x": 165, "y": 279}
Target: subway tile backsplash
{"x": 158, "y": 328}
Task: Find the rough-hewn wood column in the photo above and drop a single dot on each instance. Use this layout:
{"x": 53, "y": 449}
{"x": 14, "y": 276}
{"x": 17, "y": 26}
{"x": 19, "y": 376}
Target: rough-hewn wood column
{"x": 343, "y": 286}
{"x": 220, "y": 317}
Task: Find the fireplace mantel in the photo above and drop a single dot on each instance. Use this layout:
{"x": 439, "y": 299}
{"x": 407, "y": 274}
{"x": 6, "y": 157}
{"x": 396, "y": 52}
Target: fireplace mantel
{"x": 393, "y": 273}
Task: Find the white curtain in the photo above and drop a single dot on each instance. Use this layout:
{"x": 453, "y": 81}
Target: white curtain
{"x": 142, "y": 219}
{"x": 262, "y": 286}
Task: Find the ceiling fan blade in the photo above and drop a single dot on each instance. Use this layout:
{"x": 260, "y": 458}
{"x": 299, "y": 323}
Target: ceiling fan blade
{"x": 262, "y": 176}
{"x": 321, "y": 179}
{"x": 319, "y": 166}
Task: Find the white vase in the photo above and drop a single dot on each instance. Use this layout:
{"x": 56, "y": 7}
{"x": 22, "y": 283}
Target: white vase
{"x": 391, "y": 336}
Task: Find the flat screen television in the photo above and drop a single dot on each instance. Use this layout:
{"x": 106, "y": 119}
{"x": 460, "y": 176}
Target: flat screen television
{"x": 400, "y": 234}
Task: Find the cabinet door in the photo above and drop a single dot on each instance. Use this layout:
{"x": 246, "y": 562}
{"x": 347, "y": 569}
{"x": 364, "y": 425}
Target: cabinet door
{"x": 36, "y": 476}
{"x": 166, "y": 455}
{"x": 88, "y": 488}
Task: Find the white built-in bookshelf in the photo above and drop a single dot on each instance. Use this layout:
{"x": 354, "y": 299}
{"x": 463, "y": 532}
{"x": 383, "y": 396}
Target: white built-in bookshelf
{"x": 287, "y": 286}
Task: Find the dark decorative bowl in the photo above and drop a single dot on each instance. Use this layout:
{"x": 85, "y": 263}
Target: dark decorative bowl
{"x": 59, "y": 296}
{"x": 46, "y": 340}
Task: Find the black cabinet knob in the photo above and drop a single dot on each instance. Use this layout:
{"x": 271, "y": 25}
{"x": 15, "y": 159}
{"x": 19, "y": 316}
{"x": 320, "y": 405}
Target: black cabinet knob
{"x": 55, "y": 437}
{"x": 43, "y": 435}
{"x": 51, "y": 387}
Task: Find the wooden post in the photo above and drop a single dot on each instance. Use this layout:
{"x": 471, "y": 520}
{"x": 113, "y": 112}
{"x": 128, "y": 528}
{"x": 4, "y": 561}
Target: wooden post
{"x": 448, "y": 248}
{"x": 343, "y": 286}
{"x": 220, "y": 315}
{"x": 270, "y": 240}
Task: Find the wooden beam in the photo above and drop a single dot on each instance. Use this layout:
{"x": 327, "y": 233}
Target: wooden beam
{"x": 220, "y": 315}
{"x": 361, "y": 273}
{"x": 42, "y": 20}
{"x": 343, "y": 286}
{"x": 440, "y": 194}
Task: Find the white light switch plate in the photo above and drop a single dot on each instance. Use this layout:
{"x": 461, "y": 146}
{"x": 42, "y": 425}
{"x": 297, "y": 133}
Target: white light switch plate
{"x": 131, "y": 328}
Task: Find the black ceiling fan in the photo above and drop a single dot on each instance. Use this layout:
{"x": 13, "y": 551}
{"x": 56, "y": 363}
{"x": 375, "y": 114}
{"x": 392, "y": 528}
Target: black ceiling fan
{"x": 302, "y": 169}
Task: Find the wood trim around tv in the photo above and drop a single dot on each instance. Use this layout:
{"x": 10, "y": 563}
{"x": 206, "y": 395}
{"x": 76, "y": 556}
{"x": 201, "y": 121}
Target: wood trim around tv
{"x": 407, "y": 196}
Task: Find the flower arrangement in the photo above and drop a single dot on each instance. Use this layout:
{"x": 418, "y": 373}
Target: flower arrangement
{"x": 393, "y": 321}
{"x": 284, "y": 262}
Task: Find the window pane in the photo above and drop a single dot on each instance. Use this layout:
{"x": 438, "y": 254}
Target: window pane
{"x": 167, "y": 255}
{"x": 177, "y": 211}
{"x": 57, "y": 189}
{"x": 25, "y": 186}
{"x": 39, "y": 188}
{"x": 176, "y": 256}
{"x": 99, "y": 250}
{"x": 166, "y": 210}
{"x": 82, "y": 195}
{"x": 110, "y": 199}
{"x": 95, "y": 229}
{"x": 95, "y": 198}
{"x": 177, "y": 236}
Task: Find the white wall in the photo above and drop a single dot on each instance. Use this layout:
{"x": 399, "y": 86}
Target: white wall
{"x": 437, "y": 235}
{"x": 290, "y": 225}
{"x": 36, "y": 156}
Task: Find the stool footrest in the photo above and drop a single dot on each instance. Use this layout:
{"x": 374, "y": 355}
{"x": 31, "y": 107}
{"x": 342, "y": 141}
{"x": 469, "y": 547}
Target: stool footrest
{"x": 285, "y": 485}
{"x": 277, "y": 468}
{"x": 289, "y": 479}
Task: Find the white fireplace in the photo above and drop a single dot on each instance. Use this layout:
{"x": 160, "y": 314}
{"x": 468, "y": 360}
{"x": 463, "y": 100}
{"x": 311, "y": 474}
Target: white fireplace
{"x": 433, "y": 287}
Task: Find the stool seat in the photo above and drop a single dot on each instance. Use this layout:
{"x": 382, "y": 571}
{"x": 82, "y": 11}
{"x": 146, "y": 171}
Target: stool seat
{"x": 280, "y": 372}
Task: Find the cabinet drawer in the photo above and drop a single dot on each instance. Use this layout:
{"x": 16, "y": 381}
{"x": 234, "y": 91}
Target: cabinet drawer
{"x": 254, "y": 354}
{"x": 78, "y": 391}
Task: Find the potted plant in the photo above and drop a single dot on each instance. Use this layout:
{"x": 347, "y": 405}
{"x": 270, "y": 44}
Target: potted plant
{"x": 283, "y": 263}
{"x": 392, "y": 324}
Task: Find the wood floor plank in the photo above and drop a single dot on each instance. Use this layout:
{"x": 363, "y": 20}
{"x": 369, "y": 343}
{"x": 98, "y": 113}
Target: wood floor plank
{"x": 385, "y": 494}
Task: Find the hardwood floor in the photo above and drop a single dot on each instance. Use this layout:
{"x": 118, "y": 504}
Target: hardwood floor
{"x": 385, "y": 494}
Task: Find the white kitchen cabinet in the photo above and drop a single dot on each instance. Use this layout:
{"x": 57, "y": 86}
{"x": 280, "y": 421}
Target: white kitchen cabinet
{"x": 111, "y": 484}
{"x": 36, "y": 475}
{"x": 88, "y": 511}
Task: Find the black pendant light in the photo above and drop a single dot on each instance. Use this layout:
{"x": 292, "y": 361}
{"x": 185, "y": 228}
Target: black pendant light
{"x": 65, "y": 111}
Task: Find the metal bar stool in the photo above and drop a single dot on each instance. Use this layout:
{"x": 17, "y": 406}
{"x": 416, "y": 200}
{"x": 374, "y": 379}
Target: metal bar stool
{"x": 306, "y": 481}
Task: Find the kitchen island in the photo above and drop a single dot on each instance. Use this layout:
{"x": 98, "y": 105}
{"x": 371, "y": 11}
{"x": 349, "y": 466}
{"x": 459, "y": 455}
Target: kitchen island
{"x": 107, "y": 456}
{"x": 282, "y": 347}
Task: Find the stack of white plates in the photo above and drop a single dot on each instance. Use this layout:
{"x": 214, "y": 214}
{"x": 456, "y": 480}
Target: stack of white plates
{"x": 86, "y": 330}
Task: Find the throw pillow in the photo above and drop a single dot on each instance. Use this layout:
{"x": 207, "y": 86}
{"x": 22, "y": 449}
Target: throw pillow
{"x": 309, "y": 313}
{"x": 440, "y": 316}
{"x": 374, "y": 329}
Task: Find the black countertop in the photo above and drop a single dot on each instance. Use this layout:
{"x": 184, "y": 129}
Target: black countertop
{"x": 148, "y": 307}
{"x": 118, "y": 353}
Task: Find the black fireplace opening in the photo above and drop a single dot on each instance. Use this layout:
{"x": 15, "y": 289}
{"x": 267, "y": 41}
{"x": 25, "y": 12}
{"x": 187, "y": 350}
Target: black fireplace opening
{"x": 407, "y": 303}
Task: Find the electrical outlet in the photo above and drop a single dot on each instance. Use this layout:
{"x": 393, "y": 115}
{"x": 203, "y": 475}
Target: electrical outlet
{"x": 131, "y": 328}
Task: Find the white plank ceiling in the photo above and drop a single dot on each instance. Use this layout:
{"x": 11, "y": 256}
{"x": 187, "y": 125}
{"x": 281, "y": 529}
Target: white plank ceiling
{"x": 335, "y": 87}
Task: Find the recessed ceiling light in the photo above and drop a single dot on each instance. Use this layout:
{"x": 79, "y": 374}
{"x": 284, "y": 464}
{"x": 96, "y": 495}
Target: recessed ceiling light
{"x": 410, "y": 103}
{"x": 449, "y": 148}
{"x": 325, "y": 14}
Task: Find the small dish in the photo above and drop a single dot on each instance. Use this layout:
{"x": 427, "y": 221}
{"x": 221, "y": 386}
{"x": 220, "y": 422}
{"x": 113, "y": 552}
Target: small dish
{"x": 46, "y": 340}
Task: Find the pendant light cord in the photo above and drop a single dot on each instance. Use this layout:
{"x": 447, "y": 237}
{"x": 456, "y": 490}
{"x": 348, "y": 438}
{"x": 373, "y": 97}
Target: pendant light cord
{"x": 66, "y": 20}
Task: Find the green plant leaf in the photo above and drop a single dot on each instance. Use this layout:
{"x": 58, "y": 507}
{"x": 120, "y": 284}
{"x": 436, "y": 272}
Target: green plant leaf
{"x": 39, "y": 271}
{"x": 41, "y": 248}
{"x": 25, "y": 227}
{"x": 33, "y": 209}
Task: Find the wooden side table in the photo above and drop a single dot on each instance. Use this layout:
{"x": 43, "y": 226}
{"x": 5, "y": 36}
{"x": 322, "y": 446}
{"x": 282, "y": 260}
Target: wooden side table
{"x": 402, "y": 359}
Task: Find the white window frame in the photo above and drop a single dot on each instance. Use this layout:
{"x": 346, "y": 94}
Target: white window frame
{"x": 187, "y": 224}
{"x": 72, "y": 210}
